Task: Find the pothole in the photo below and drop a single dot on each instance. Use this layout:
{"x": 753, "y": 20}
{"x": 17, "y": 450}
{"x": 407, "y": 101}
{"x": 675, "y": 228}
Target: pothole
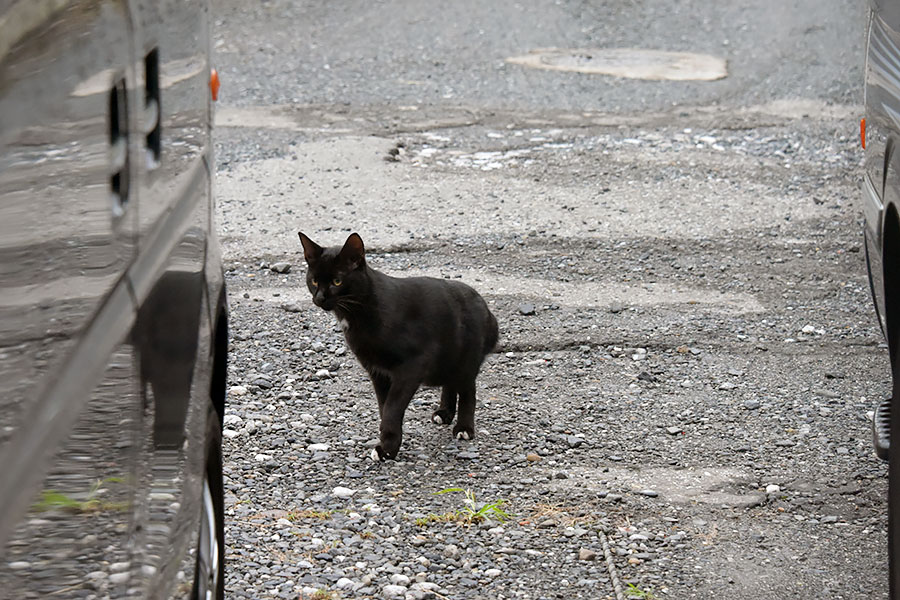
{"x": 633, "y": 63}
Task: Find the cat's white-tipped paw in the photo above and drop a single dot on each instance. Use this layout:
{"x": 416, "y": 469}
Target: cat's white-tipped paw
{"x": 462, "y": 435}
{"x": 437, "y": 419}
{"x": 374, "y": 455}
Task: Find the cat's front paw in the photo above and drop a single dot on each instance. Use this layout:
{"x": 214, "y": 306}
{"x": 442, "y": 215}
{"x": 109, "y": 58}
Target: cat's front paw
{"x": 379, "y": 454}
{"x": 464, "y": 433}
{"x": 442, "y": 417}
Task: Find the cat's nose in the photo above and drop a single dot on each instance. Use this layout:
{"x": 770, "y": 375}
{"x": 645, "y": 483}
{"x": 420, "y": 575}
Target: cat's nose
{"x": 319, "y": 299}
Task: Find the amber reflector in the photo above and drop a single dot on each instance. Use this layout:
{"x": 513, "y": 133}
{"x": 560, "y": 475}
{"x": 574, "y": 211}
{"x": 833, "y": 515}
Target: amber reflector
{"x": 214, "y": 84}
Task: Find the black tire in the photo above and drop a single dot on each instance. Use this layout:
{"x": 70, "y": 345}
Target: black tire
{"x": 891, "y": 273}
{"x": 894, "y": 497}
{"x": 209, "y": 572}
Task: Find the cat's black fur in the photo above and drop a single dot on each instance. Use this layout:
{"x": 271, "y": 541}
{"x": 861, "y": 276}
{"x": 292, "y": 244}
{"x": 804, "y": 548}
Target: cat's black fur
{"x": 405, "y": 333}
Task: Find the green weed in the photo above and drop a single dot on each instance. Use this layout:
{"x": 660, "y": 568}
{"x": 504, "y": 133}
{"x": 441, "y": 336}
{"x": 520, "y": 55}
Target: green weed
{"x": 634, "y": 591}
{"x": 473, "y": 512}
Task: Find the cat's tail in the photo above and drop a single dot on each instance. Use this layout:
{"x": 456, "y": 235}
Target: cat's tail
{"x": 493, "y": 333}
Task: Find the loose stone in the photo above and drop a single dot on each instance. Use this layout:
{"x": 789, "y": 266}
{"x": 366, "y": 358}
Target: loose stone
{"x": 574, "y": 441}
{"x": 394, "y": 591}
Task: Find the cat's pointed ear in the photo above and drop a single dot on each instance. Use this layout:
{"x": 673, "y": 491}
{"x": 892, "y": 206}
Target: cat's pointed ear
{"x": 311, "y": 250}
{"x": 353, "y": 253}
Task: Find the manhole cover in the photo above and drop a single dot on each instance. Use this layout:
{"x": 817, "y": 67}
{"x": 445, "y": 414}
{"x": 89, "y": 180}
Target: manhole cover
{"x": 627, "y": 62}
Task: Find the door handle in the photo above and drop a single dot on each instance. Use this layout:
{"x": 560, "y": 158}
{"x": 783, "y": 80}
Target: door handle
{"x": 152, "y": 117}
{"x": 118, "y": 147}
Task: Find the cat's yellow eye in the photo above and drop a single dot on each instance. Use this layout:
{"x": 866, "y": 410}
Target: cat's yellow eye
{"x": 314, "y": 282}
{"x": 337, "y": 281}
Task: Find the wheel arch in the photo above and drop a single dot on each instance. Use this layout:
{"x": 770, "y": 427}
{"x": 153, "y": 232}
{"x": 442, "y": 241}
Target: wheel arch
{"x": 219, "y": 379}
{"x": 890, "y": 263}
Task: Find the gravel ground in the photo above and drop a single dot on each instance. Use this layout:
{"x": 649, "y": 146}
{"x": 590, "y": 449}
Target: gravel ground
{"x": 697, "y": 394}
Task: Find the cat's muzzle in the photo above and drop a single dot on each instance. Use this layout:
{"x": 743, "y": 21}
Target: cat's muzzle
{"x": 324, "y": 303}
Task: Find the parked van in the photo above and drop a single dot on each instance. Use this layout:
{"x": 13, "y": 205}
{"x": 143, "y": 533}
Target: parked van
{"x": 113, "y": 320}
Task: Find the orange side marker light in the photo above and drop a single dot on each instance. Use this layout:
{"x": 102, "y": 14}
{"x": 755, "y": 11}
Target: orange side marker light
{"x": 862, "y": 132}
{"x": 214, "y": 84}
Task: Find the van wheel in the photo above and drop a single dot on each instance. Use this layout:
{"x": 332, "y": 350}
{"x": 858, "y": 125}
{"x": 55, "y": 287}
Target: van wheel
{"x": 894, "y": 502}
{"x": 209, "y": 574}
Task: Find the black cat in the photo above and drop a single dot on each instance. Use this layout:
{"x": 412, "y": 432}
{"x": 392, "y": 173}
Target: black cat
{"x": 405, "y": 333}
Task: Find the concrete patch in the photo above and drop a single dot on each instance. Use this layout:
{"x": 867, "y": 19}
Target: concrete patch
{"x": 588, "y": 294}
{"x": 597, "y": 293}
{"x": 328, "y": 188}
{"x": 275, "y": 117}
{"x": 805, "y": 108}
{"x": 721, "y": 486}
{"x": 324, "y": 119}
{"x": 632, "y": 63}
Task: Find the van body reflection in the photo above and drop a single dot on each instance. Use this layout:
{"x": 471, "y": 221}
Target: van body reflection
{"x": 113, "y": 315}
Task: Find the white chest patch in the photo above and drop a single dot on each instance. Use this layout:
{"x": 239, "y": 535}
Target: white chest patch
{"x": 345, "y": 325}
